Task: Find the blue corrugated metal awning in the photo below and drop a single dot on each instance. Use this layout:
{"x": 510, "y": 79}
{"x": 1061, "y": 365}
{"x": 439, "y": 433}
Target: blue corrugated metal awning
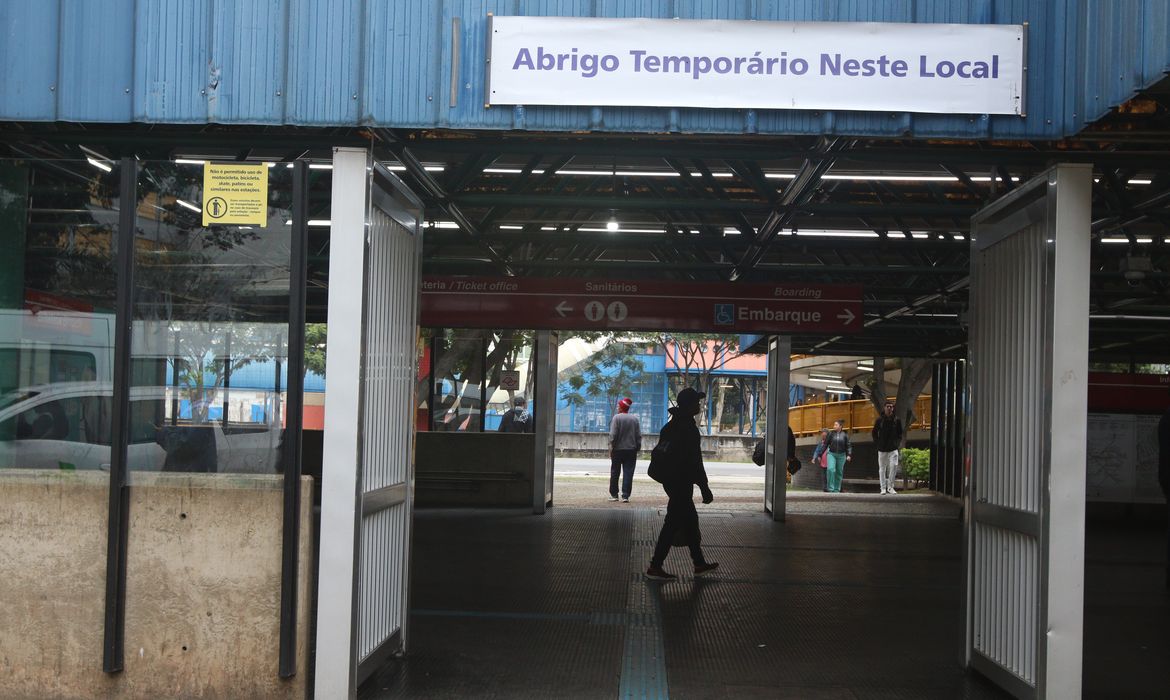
{"x": 422, "y": 64}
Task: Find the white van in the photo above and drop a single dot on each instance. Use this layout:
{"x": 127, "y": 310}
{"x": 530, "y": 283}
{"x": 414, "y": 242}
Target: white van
{"x": 68, "y": 426}
{"x": 50, "y": 346}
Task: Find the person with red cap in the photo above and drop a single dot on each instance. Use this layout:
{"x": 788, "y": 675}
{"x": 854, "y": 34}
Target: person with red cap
{"x": 625, "y": 439}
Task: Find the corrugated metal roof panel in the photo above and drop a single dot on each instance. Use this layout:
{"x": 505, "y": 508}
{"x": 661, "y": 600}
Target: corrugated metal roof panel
{"x": 96, "y": 71}
{"x": 403, "y": 82}
{"x": 28, "y": 60}
{"x": 1125, "y": 50}
{"x": 171, "y": 71}
{"x": 1156, "y": 29}
{"x": 249, "y": 42}
{"x": 422, "y": 64}
{"x": 325, "y": 62}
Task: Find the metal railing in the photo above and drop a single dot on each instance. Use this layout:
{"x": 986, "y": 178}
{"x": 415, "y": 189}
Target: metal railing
{"x": 858, "y": 415}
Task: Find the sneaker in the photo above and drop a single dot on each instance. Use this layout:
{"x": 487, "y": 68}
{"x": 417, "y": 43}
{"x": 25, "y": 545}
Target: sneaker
{"x": 655, "y": 573}
{"x": 891, "y": 490}
{"x": 883, "y": 492}
{"x": 612, "y": 498}
{"x": 701, "y": 569}
{"x": 625, "y": 499}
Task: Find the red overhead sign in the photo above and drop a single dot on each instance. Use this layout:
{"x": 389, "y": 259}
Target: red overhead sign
{"x": 585, "y": 304}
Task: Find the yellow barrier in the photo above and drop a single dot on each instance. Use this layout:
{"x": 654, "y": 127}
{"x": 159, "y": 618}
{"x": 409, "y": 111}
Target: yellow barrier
{"x": 858, "y": 415}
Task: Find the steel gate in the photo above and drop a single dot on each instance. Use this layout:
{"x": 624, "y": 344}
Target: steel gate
{"x": 1025, "y": 492}
{"x": 367, "y": 481}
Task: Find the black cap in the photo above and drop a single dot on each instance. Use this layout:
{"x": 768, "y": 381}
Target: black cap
{"x": 689, "y": 398}
{"x": 519, "y": 401}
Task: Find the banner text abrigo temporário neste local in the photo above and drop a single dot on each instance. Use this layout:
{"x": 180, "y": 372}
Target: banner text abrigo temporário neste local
{"x": 943, "y": 68}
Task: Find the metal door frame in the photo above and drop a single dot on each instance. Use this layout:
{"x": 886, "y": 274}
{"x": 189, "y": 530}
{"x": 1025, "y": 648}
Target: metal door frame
{"x": 776, "y": 440}
{"x": 1056, "y": 206}
{"x": 544, "y": 404}
{"x": 365, "y": 195}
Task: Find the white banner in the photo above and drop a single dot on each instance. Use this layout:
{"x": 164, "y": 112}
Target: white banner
{"x": 867, "y": 66}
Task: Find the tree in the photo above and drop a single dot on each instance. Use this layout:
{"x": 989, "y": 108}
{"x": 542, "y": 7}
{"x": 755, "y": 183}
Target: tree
{"x": 612, "y": 372}
{"x": 916, "y": 373}
{"x": 316, "y": 338}
{"x": 700, "y": 354}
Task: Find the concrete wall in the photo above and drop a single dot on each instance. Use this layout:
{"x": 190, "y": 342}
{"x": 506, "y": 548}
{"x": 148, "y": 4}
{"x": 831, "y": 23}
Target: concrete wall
{"x": 202, "y": 590}
{"x": 723, "y": 448}
{"x": 480, "y": 469}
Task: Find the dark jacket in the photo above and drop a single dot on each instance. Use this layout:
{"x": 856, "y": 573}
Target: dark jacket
{"x": 1164, "y": 453}
{"x": 686, "y": 456}
{"x": 839, "y": 442}
{"x": 517, "y": 420}
{"x": 887, "y": 433}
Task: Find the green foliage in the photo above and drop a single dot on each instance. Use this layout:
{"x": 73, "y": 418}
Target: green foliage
{"x": 612, "y": 372}
{"x": 916, "y": 463}
{"x": 315, "y": 337}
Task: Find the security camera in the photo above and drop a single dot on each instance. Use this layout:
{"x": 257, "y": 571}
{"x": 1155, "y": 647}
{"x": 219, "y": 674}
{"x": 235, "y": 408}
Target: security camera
{"x": 1134, "y": 269}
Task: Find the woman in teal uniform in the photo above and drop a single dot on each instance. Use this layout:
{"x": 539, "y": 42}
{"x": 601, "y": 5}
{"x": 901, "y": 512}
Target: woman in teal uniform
{"x": 840, "y": 452}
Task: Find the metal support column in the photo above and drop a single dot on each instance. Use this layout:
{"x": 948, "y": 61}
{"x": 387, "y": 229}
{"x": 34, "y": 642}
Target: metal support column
{"x": 544, "y": 404}
{"x": 776, "y": 440}
{"x": 119, "y": 507}
{"x": 290, "y": 452}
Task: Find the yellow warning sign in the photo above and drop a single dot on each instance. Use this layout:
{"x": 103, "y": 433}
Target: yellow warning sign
{"x": 235, "y": 194}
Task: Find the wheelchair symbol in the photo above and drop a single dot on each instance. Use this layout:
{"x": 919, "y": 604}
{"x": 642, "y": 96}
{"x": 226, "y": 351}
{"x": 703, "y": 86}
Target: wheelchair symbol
{"x": 725, "y": 314}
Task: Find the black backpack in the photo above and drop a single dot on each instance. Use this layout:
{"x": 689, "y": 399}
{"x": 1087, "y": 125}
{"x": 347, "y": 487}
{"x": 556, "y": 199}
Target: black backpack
{"x": 660, "y": 458}
{"x": 758, "y": 453}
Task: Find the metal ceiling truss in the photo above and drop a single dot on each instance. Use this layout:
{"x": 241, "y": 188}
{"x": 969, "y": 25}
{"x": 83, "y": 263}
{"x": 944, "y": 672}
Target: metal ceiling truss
{"x": 724, "y": 212}
{"x": 734, "y": 208}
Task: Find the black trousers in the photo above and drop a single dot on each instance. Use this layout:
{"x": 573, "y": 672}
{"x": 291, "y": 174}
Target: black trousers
{"x": 622, "y": 461}
{"x": 680, "y": 515}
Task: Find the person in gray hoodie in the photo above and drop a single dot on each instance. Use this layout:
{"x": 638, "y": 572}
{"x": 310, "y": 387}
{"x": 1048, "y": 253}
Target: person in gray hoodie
{"x": 625, "y": 440}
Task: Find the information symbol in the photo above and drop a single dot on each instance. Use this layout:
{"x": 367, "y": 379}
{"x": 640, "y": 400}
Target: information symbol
{"x": 217, "y": 207}
{"x": 617, "y": 311}
{"x": 594, "y": 311}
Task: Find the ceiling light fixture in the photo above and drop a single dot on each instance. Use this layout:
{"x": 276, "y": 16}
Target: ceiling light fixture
{"x": 823, "y": 377}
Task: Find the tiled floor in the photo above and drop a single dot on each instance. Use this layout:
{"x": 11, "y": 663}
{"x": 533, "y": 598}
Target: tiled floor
{"x": 511, "y": 605}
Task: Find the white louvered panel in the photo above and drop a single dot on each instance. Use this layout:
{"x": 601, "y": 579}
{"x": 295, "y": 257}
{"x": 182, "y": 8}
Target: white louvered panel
{"x": 380, "y": 611}
{"x": 1029, "y": 342}
{"x": 1006, "y": 604}
{"x": 1010, "y": 374}
{"x": 390, "y": 353}
{"x": 390, "y": 344}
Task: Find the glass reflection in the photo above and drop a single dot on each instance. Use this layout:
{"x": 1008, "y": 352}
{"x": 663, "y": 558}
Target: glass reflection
{"x": 210, "y": 328}
{"x": 468, "y": 365}
{"x": 58, "y": 228}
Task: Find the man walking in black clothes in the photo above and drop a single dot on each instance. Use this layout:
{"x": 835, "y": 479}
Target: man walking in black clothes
{"x": 887, "y": 435}
{"x": 685, "y": 469}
